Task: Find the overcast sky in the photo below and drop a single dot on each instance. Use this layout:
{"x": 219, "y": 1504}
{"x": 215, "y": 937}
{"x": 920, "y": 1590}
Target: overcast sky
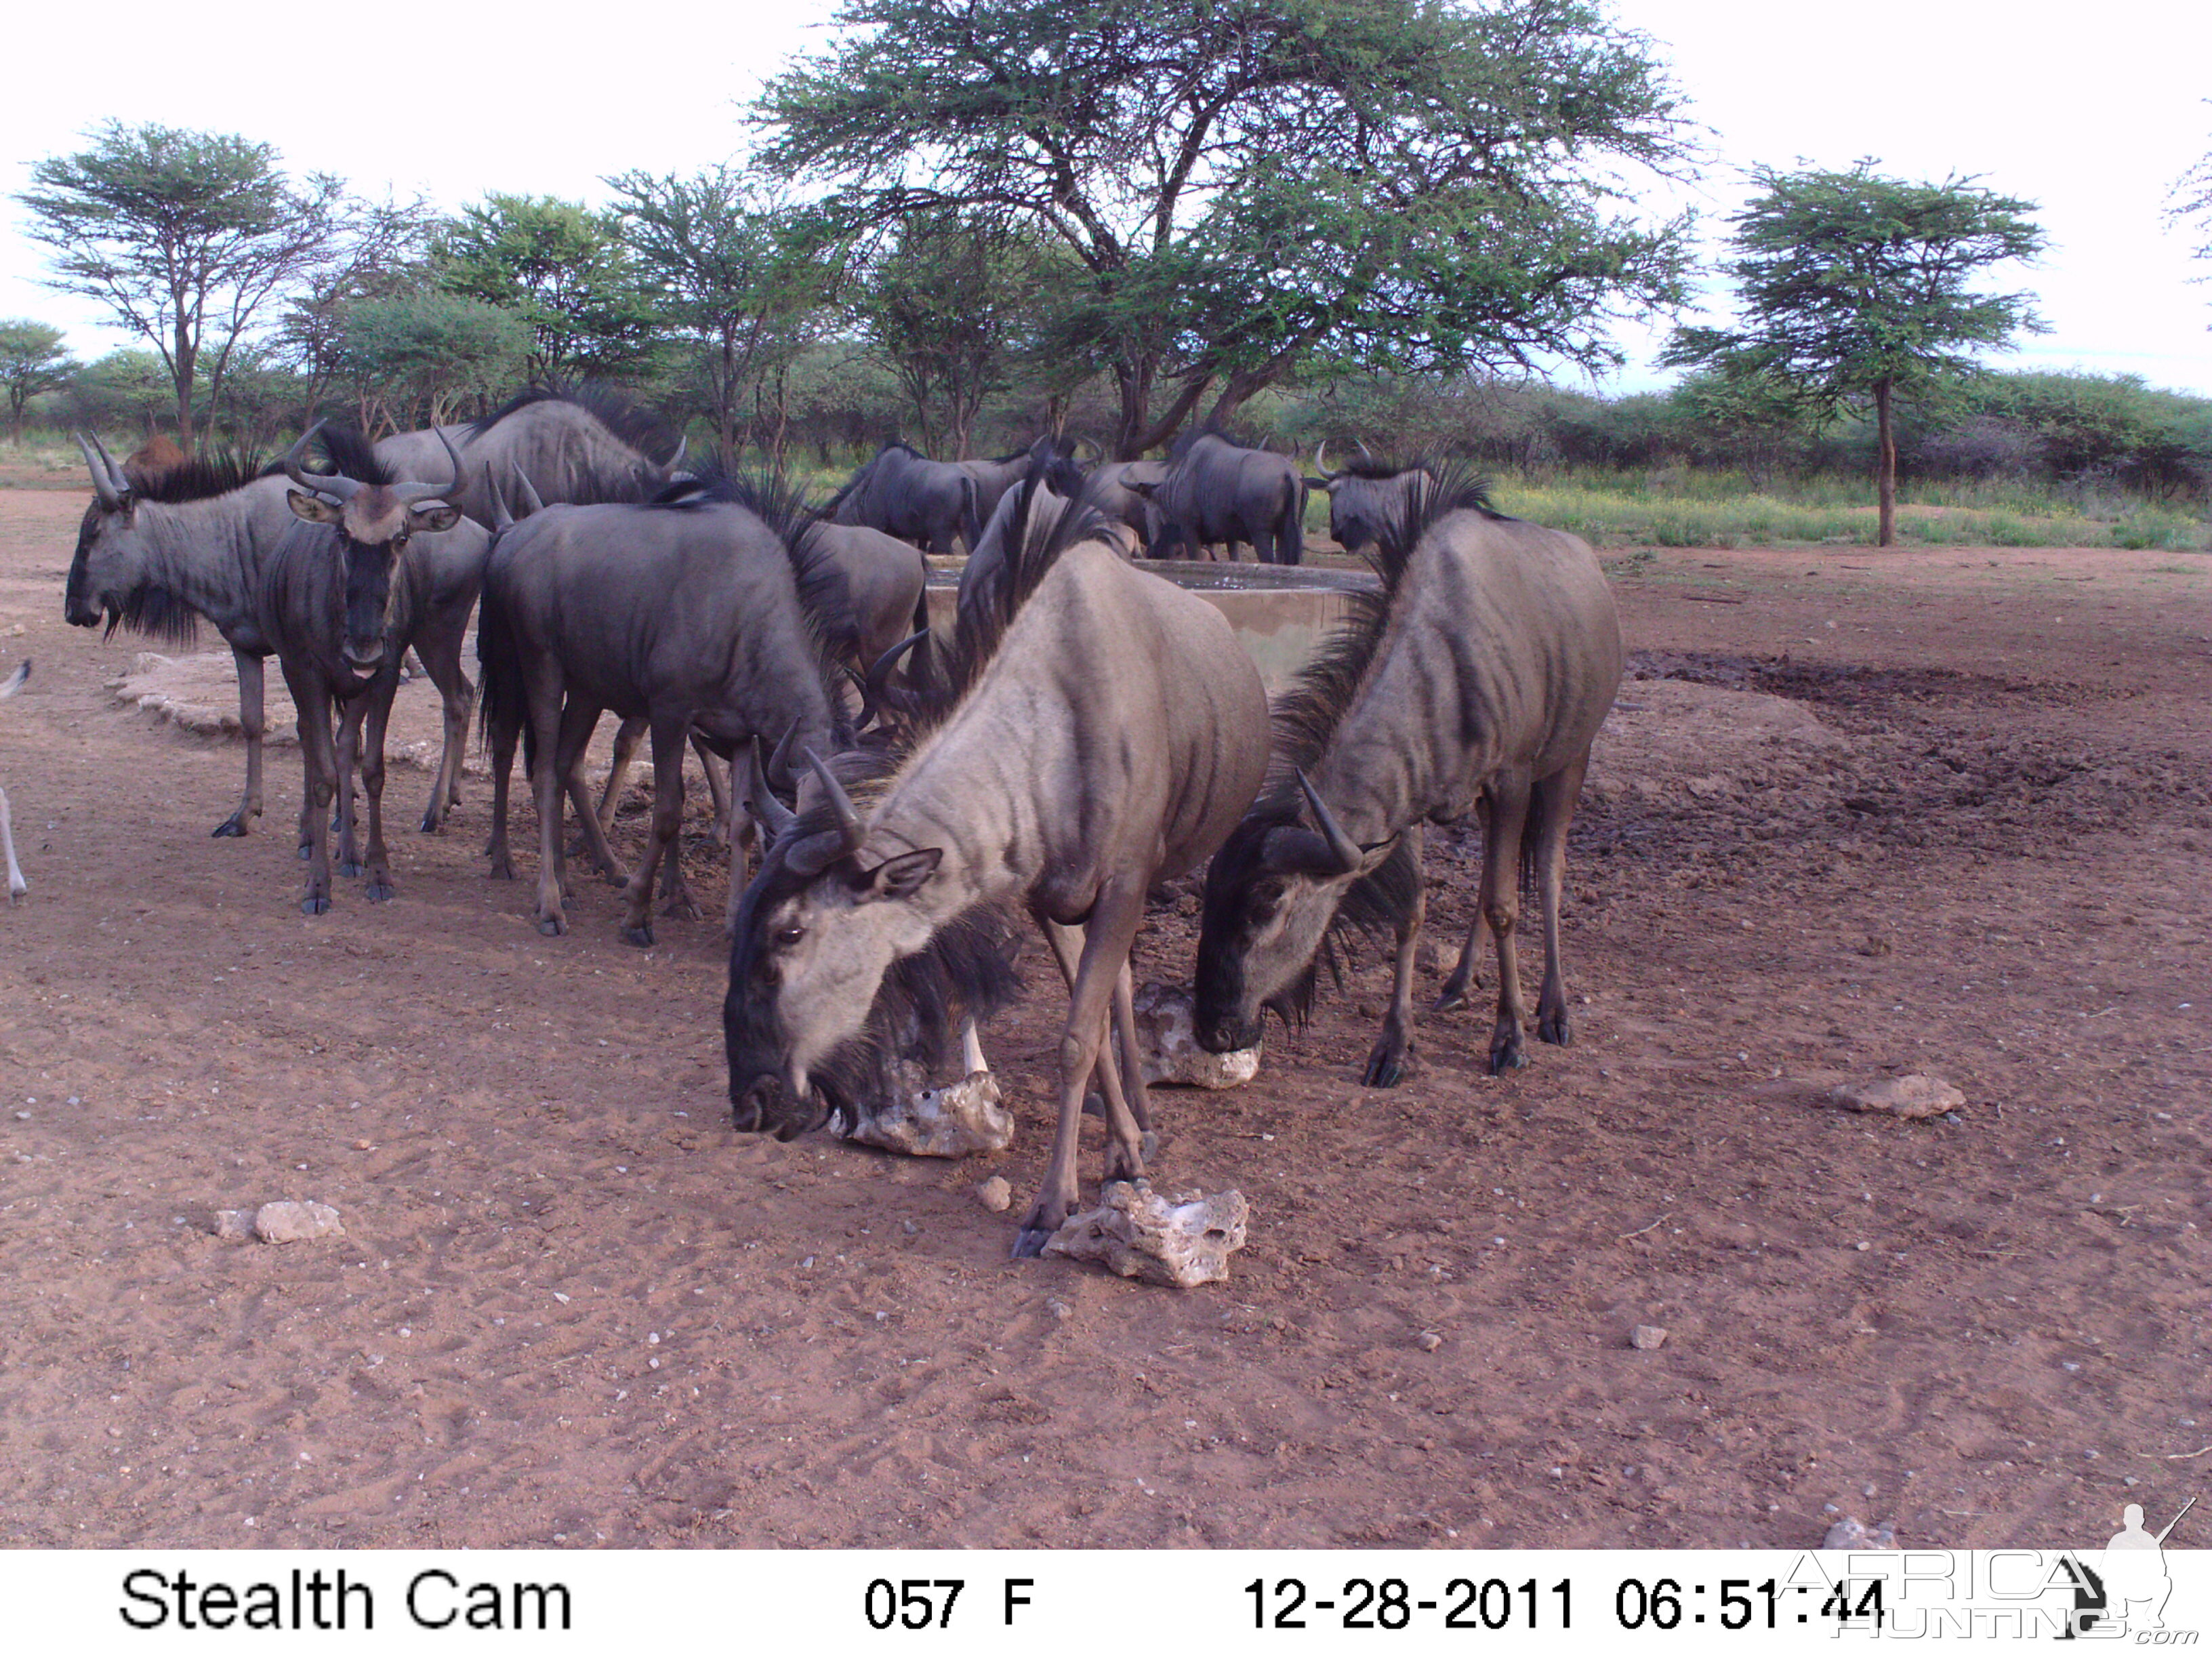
{"x": 2092, "y": 112}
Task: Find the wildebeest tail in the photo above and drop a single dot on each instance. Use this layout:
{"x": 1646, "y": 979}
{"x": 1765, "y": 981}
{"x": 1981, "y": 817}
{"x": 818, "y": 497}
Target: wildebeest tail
{"x": 505, "y": 703}
{"x": 971, "y": 525}
{"x": 1290, "y": 533}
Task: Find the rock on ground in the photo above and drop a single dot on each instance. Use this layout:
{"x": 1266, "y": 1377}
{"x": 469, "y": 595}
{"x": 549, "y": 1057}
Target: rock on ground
{"x": 1648, "y": 1337}
{"x": 995, "y": 1194}
{"x": 234, "y": 1223}
{"x": 1852, "y": 1534}
{"x": 1181, "y": 1243}
{"x": 290, "y": 1222}
{"x": 1168, "y": 1043}
{"x": 1912, "y": 1096}
{"x": 957, "y": 1121}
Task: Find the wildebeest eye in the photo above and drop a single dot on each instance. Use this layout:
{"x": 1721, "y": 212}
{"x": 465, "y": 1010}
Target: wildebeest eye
{"x": 790, "y": 935}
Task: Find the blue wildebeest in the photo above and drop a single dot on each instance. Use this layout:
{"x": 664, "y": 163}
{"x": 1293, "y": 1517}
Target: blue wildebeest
{"x": 904, "y": 494}
{"x": 580, "y": 444}
{"x": 1113, "y": 486}
{"x": 1477, "y": 678}
{"x": 375, "y": 565}
{"x": 161, "y": 549}
{"x": 1019, "y": 516}
{"x": 1364, "y": 499}
{"x": 1101, "y": 731}
{"x": 695, "y": 613}
{"x": 1216, "y": 492}
{"x": 994, "y": 477}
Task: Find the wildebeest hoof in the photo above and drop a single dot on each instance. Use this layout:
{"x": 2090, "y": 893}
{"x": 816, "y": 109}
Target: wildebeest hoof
{"x": 348, "y": 868}
{"x": 230, "y": 826}
{"x": 1552, "y": 1028}
{"x": 1387, "y": 1066}
{"x": 1506, "y": 1056}
{"x": 379, "y": 892}
{"x": 314, "y": 905}
{"x": 429, "y": 824}
{"x": 1029, "y": 1241}
{"x": 552, "y": 926}
{"x": 680, "y": 905}
{"x": 1451, "y": 998}
{"x": 503, "y": 869}
{"x": 640, "y": 935}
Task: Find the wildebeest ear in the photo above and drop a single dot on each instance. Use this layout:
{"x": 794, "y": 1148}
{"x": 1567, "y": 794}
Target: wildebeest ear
{"x": 1317, "y": 484}
{"x": 440, "y": 517}
{"x": 898, "y": 878}
{"x": 1294, "y": 850}
{"x": 312, "y": 508}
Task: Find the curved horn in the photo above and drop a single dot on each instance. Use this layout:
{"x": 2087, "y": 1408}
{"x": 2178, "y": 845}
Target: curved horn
{"x": 879, "y": 676}
{"x": 759, "y": 800}
{"x": 332, "y": 486}
{"x": 116, "y": 475}
{"x": 529, "y": 492}
{"x": 848, "y": 816}
{"x": 869, "y": 712}
{"x": 683, "y": 448}
{"x": 1321, "y": 460}
{"x": 1346, "y": 849}
{"x": 500, "y": 518}
{"x": 102, "y": 484}
{"x": 779, "y": 765}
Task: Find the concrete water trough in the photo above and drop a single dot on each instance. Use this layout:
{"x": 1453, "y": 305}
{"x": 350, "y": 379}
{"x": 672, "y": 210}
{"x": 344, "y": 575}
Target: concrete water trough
{"x": 1281, "y": 613}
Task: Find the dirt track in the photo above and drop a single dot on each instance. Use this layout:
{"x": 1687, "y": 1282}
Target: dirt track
{"x": 573, "y": 1307}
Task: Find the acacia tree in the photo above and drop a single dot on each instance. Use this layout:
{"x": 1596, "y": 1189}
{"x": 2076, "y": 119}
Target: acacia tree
{"x": 33, "y": 359}
{"x": 1243, "y": 182}
{"x": 740, "y": 269}
{"x": 184, "y": 235}
{"x": 2192, "y": 199}
{"x": 1854, "y": 289}
{"x": 563, "y": 270}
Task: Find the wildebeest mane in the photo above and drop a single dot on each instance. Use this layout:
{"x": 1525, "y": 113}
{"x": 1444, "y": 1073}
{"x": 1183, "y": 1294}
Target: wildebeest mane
{"x": 154, "y": 609}
{"x": 352, "y": 456}
{"x": 195, "y": 478}
{"x": 1368, "y": 467}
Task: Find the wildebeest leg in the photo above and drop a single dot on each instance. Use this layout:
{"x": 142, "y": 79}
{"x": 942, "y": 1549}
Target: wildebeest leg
{"x": 1066, "y": 943}
{"x": 1468, "y": 974}
{"x": 630, "y": 733}
{"x": 578, "y": 721}
{"x": 1555, "y": 811}
{"x": 549, "y": 723}
{"x": 348, "y": 753}
{"x": 440, "y": 649}
{"x": 1501, "y": 903}
{"x": 502, "y": 734}
{"x": 740, "y": 834}
{"x": 1132, "y": 1062}
{"x": 1107, "y": 937}
{"x": 253, "y": 722}
{"x": 16, "y": 885}
{"x": 668, "y": 736}
{"x": 1392, "y": 1055}
{"x": 971, "y": 1048}
{"x": 718, "y": 790}
{"x": 378, "y": 716}
{"x": 319, "y": 767}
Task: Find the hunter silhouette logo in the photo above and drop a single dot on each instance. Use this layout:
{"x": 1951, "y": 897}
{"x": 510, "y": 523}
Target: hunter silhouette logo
{"x": 2127, "y": 1591}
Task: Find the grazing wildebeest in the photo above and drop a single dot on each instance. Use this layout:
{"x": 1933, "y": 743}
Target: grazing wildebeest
{"x": 694, "y": 612}
{"x": 1364, "y": 499}
{"x": 580, "y": 444}
{"x": 1217, "y": 492}
{"x": 16, "y": 885}
{"x": 903, "y": 494}
{"x": 375, "y": 565}
{"x": 157, "y": 553}
{"x": 1477, "y": 678}
{"x": 1102, "y": 732}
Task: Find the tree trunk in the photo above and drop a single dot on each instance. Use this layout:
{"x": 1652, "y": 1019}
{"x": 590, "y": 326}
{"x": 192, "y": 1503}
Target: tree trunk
{"x": 1885, "y": 465}
{"x": 185, "y": 363}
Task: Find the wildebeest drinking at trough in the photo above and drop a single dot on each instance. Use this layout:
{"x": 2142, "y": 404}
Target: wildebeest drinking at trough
{"x": 375, "y": 565}
{"x": 1477, "y": 678}
{"x": 159, "y": 550}
{"x": 1364, "y": 499}
{"x": 1103, "y": 732}
{"x": 705, "y": 610}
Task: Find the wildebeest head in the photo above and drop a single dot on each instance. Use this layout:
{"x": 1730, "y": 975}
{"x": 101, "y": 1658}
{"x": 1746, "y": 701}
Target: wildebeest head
{"x": 816, "y": 933}
{"x": 373, "y": 522}
{"x": 1271, "y": 893}
{"x": 1366, "y": 500}
{"x": 118, "y": 573}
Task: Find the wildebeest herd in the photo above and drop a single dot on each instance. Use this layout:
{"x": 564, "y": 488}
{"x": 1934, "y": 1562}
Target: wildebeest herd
{"x": 1085, "y": 731}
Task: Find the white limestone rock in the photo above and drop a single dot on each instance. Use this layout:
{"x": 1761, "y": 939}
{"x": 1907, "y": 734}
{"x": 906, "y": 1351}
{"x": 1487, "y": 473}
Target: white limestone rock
{"x": 290, "y": 1222}
{"x": 1181, "y": 1243}
{"x": 1168, "y": 1044}
{"x": 959, "y": 1121}
{"x": 1912, "y": 1096}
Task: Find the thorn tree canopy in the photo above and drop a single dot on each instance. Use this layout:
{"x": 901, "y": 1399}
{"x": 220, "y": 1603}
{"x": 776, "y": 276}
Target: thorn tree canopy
{"x": 184, "y": 235}
{"x": 33, "y": 359}
{"x": 1406, "y": 183}
{"x": 1853, "y": 288}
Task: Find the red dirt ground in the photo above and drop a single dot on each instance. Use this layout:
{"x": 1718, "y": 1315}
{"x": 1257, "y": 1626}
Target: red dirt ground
{"x": 571, "y": 1307}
